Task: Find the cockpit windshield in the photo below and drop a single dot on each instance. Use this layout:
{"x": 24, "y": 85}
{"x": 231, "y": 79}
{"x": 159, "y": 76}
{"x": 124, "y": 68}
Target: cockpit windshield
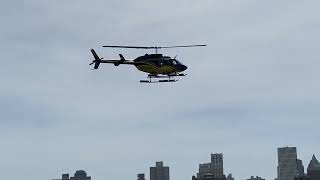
{"x": 169, "y": 61}
{"x": 174, "y": 62}
{"x": 178, "y": 62}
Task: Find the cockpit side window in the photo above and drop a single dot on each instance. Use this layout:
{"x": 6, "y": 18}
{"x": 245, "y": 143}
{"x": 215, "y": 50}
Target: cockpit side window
{"x": 166, "y": 62}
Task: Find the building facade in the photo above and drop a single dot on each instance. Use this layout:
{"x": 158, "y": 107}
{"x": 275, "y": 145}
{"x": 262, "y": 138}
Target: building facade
{"x": 313, "y": 170}
{"x": 209, "y": 176}
{"x": 141, "y": 177}
{"x": 300, "y": 168}
{"x": 204, "y": 169}
{"x": 301, "y": 177}
{"x": 159, "y": 172}
{"x": 217, "y": 165}
{"x": 287, "y": 163}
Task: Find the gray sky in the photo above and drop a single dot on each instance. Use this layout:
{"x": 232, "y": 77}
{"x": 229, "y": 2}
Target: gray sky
{"x": 253, "y": 89}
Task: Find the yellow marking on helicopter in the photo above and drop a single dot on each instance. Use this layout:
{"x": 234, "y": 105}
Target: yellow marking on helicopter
{"x": 153, "y": 69}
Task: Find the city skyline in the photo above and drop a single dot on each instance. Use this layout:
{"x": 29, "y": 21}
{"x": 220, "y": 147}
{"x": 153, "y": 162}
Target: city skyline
{"x": 253, "y": 88}
{"x": 289, "y": 168}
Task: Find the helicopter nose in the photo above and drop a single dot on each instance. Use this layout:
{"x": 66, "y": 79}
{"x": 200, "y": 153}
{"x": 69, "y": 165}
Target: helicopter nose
{"x": 183, "y": 67}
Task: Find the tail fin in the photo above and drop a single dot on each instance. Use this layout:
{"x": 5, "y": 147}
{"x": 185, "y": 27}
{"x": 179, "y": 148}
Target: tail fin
{"x": 97, "y": 60}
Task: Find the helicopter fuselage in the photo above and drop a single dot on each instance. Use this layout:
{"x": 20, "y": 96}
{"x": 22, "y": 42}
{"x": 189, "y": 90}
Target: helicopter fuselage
{"x": 156, "y": 65}
{"x": 159, "y": 64}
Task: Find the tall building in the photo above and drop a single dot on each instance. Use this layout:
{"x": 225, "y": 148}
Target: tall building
{"x": 256, "y": 178}
{"x": 287, "y": 163}
{"x": 313, "y": 170}
{"x": 159, "y": 172}
{"x": 79, "y": 175}
{"x": 213, "y": 170}
{"x": 217, "y": 165}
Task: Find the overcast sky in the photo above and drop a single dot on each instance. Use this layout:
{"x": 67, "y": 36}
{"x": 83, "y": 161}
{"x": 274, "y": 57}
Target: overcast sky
{"x": 254, "y": 88}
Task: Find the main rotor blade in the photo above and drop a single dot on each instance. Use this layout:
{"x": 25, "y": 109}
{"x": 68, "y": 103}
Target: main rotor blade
{"x": 132, "y": 47}
{"x": 154, "y": 47}
{"x": 183, "y": 46}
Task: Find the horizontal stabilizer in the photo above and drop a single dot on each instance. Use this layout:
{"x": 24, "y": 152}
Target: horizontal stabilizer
{"x": 121, "y": 57}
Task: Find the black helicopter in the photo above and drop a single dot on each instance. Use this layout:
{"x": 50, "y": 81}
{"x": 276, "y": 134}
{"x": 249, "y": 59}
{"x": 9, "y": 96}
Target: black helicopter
{"x": 156, "y": 65}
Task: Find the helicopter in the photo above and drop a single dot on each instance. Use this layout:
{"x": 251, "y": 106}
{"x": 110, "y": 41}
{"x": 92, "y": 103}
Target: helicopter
{"x": 158, "y": 66}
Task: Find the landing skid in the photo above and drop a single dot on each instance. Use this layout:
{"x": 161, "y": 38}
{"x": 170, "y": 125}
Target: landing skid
{"x": 166, "y": 77}
{"x": 159, "y": 81}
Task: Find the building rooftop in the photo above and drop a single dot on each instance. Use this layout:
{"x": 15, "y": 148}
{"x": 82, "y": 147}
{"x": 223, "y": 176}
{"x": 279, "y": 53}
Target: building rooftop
{"x": 314, "y": 164}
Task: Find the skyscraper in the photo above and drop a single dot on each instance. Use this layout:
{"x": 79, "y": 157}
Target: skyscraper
{"x": 159, "y": 172}
{"x": 217, "y": 165}
{"x": 287, "y": 163}
{"x": 314, "y": 169}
